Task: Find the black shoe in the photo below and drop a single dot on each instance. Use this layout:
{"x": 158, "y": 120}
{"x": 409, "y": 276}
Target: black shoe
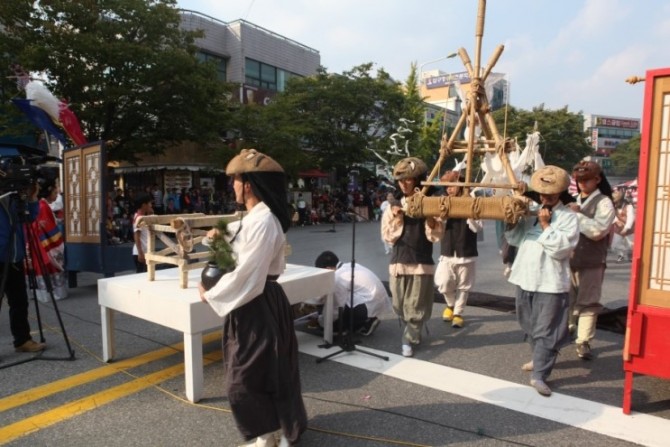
{"x": 584, "y": 351}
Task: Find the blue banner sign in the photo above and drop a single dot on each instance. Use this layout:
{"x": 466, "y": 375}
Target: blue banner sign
{"x": 444, "y": 80}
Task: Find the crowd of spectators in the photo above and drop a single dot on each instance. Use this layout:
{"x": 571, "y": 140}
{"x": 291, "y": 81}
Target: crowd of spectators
{"x": 318, "y": 206}
{"x": 121, "y": 206}
{"x": 336, "y": 206}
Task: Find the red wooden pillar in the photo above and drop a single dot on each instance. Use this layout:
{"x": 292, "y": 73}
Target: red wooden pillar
{"x": 647, "y": 342}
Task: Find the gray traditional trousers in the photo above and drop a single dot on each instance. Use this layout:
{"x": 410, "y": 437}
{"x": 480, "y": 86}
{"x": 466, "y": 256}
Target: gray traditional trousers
{"x": 412, "y": 297}
{"x": 543, "y": 317}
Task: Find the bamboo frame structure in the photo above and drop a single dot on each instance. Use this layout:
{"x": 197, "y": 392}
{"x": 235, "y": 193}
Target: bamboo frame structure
{"x": 187, "y": 231}
{"x": 476, "y": 111}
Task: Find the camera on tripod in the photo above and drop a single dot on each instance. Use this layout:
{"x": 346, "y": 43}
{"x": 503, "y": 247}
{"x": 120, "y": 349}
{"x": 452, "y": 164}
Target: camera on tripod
{"x": 21, "y": 167}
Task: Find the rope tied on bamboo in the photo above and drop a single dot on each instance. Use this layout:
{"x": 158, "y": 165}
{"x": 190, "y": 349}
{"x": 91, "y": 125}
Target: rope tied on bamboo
{"x": 445, "y": 150}
{"x": 444, "y": 206}
{"x": 476, "y": 208}
{"x": 184, "y": 236}
{"x": 508, "y": 208}
{"x": 500, "y": 149}
{"x": 414, "y": 204}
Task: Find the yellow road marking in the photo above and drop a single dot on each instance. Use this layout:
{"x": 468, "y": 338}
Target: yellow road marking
{"x": 42, "y": 391}
{"x": 77, "y": 407}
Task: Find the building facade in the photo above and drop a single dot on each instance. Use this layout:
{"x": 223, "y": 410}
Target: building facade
{"x": 258, "y": 60}
{"x": 448, "y": 91}
{"x": 605, "y": 133}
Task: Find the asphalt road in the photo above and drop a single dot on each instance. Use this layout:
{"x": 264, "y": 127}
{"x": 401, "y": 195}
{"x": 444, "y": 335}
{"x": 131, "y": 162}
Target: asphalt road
{"x": 463, "y": 387}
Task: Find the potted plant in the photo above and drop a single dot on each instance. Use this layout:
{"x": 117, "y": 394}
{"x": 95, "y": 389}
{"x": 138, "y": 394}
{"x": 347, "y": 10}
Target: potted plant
{"x": 222, "y": 260}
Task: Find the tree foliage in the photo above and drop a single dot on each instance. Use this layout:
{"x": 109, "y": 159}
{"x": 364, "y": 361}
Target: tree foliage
{"x": 416, "y": 113}
{"x": 626, "y": 157}
{"x": 562, "y": 133}
{"x": 126, "y": 68}
{"x": 334, "y": 118}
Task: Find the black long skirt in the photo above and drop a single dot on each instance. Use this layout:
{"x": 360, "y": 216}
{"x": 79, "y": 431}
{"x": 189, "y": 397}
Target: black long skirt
{"x": 261, "y": 367}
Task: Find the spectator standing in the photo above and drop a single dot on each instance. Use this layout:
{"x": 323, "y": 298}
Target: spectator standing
{"x": 174, "y": 196}
{"x": 119, "y": 201}
{"x": 141, "y": 234}
{"x": 125, "y": 227}
{"x": 51, "y": 248}
{"x": 157, "y": 196}
{"x": 171, "y": 208}
{"x": 301, "y": 204}
{"x": 58, "y": 208}
{"x": 622, "y": 229}
{"x": 595, "y": 213}
{"x": 185, "y": 201}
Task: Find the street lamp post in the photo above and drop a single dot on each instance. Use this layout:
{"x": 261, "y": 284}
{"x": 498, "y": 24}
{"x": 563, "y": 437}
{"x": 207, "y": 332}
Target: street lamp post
{"x": 422, "y": 80}
{"x": 448, "y": 56}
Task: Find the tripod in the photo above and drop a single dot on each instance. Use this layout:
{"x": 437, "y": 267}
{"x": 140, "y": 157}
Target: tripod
{"x": 11, "y": 202}
{"x": 347, "y": 342}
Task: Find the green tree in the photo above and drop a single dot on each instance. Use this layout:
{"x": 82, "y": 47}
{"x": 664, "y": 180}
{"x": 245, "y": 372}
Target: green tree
{"x": 273, "y": 130}
{"x": 416, "y": 114}
{"x": 562, "y": 133}
{"x": 126, "y": 68}
{"x": 626, "y": 157}
{"x": 335, "y": 118}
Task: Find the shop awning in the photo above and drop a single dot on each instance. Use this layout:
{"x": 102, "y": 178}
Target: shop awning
{"x": 132, "y": 169}
{"x": 313, "y": 173}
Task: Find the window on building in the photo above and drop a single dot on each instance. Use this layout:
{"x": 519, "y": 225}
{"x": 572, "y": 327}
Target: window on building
{"x": 266, "y": 76}
{"x": 219, "y": 63}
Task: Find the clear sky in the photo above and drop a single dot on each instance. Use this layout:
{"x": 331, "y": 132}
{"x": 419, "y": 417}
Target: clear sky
{"x": 557, "y": 52}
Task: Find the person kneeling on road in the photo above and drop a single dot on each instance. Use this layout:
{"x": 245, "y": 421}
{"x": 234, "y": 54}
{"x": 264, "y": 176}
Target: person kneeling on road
{"x": 370, "y": 297}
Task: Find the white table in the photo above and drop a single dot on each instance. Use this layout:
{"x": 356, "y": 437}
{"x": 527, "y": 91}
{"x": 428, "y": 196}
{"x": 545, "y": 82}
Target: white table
{"x": 163, "y": 302}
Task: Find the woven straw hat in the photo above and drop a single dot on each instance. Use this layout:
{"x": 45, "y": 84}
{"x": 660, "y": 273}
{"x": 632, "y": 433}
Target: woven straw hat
{"x": 250, "y": 160}
{"x": 550, "y": 180}
{"x": 410, "y": 167}
{"x": 586, "y": 170}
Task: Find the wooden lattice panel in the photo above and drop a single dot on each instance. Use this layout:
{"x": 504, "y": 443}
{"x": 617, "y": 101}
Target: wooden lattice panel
{"x": 659, "y": 275}
{"x": 83, "y": 192}
{"x": 93, "y": 192}
{"x": 73, "y": 194}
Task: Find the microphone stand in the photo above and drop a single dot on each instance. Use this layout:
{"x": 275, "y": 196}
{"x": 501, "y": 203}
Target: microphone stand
{"x": 347, "y": 342}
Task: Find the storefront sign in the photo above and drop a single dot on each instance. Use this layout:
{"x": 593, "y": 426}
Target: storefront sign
{"x": 444, "y": 80}
{"x": 604, "y": 121}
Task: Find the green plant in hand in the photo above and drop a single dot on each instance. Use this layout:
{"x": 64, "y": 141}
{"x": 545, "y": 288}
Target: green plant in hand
{"x": 222, "y": 252}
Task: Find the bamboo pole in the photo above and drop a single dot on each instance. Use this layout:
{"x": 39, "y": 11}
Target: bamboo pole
{"x": 483, "y": 185}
